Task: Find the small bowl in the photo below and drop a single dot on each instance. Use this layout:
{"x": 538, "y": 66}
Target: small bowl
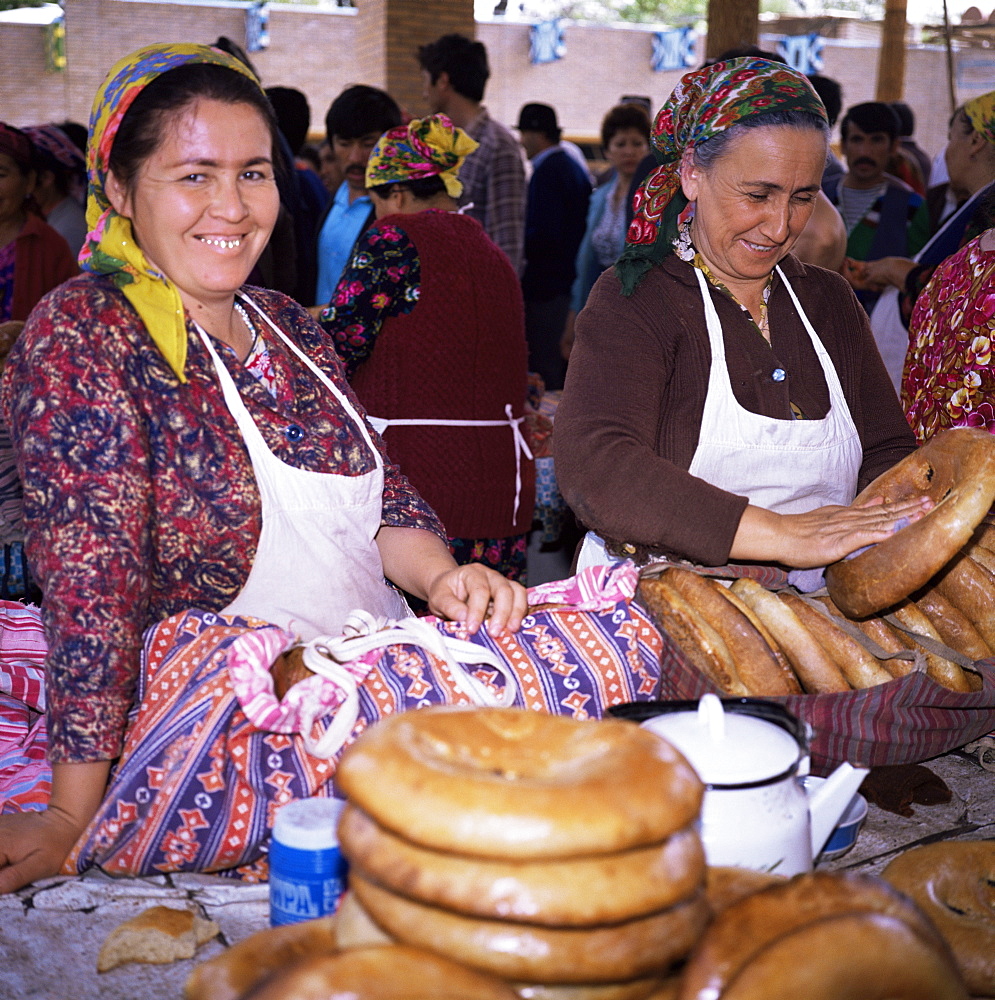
{"x": 844, "y": 836}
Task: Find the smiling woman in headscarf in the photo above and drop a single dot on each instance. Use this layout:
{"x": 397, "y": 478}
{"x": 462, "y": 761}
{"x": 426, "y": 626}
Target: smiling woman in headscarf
{"x": 725, "y": 402}
{"x": 428, "y": 319}
{"x": 188, "y": 442}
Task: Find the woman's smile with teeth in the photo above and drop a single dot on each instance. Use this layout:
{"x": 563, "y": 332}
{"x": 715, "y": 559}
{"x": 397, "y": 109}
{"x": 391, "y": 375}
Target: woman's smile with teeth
{"x": 216, "y": 241}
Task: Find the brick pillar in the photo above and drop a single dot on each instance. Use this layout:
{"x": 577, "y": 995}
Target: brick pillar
{"x": 389, "y": 33}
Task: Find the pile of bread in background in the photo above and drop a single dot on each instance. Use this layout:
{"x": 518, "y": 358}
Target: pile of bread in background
{"x": 502, "y": 853}
{"x": 922, "y": 599}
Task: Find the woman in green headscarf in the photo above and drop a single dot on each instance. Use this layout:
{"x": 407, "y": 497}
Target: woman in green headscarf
{"x": 725, "y": 402}
{"x": 188, "y": 442}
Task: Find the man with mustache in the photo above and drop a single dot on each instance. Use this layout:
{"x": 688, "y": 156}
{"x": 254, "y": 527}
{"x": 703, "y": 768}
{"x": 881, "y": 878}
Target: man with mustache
{"x": 355, "y": 120}
{"x": 884, "y": 217}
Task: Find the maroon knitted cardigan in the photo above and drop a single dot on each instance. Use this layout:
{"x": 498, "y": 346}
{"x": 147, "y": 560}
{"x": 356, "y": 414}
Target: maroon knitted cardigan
{"x": 459, "y": 354}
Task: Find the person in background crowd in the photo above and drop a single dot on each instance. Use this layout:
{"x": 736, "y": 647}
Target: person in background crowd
{"x": 948, "y": 380}
{"x": 907, "y": 143}
{"x": 970, "y": 161}
{"x": 60, "y": 188}
{"x": 355, "y": 121}
{"x": 429, "y": 323}
{"x": 725, "y": 402}
{"x": 76, "y": 133}
{"x": 455, "y": 72}
{"x": 293, "y": 115}
{"x": 625, "y": 133}
{"x": 884, "y": 217}
{"x": 328, "y": 168}
{"x": 831, "y": 94}
{"x": 34, "y": 258}
{"x": 559, "y": 194}
{"x": 188, "y": 442}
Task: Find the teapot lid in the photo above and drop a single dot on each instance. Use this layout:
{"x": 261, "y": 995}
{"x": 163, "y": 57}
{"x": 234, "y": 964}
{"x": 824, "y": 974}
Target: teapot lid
{"x": 728, "y": 748}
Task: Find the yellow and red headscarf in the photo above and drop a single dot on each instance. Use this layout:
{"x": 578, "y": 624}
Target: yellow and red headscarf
{"x": 110, "y": 246}
{"x": 425, "y": 147}
{"x": 981, "y": 114}
{"x": 704, "y": 103}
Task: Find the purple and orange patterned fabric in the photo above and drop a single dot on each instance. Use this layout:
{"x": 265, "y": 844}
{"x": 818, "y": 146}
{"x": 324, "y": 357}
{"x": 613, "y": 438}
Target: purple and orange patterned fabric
{"x": 211, "y": 754}
{"x": 704, "y": 103}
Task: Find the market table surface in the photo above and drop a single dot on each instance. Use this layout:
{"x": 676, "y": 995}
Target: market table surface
{"x": 50, "y": 933}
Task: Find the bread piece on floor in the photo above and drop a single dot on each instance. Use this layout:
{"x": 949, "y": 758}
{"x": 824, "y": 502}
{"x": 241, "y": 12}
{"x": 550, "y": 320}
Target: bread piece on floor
{"x": 158, "y": 935}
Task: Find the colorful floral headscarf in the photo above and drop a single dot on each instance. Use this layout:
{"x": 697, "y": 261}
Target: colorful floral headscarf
{"x": 425, "y": 147}
{"x": 54, "y": 144}
{"x": 981, "y": 114}
{"x": 15, "y": 144}
{"x": 705, "y": 103}
{"x": 110, "y": 246}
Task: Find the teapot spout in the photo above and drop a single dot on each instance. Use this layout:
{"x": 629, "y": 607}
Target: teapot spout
{"x": 828, "y": 802}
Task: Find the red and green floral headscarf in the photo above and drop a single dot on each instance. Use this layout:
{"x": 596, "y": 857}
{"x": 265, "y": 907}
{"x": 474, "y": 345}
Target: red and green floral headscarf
{"x": 110, "y": 246}
{"x": 705, "y": 103}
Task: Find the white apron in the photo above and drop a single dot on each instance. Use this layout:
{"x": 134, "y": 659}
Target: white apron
{"x": 788, "y": 466}
{"x": 316, "y": 560}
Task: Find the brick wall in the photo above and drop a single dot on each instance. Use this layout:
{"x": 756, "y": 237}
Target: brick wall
{"x": 322, "y": 51}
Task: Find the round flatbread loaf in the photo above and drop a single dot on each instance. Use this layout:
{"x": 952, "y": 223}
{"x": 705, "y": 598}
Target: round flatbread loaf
{"x": 512, "y": 783}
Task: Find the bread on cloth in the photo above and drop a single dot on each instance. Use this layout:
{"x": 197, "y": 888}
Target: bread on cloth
{"x": 956, "y": 469}
{"x": 822, "y": 936}
{"x": 158, "y": 936}
{"x": 954, "y": 884}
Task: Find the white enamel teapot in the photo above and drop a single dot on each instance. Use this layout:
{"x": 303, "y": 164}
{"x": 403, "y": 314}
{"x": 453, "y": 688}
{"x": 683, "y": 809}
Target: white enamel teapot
{"x": 752, "y": 756}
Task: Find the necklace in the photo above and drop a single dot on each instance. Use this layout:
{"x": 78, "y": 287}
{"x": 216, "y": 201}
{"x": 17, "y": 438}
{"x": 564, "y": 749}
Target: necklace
{"x": 249, "y": 325}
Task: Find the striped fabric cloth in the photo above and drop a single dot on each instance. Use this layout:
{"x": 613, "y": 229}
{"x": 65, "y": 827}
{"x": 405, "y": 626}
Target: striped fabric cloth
{"x": 25, "y": 775}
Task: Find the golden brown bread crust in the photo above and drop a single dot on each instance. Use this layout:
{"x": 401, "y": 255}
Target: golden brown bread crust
{"x": 158, "y": 935}
{"x": 791, "y": 679}
{"x": 699, "y": 641}
{"x": 235, "y": 971}
{"x": 954, "y": 884}
{"x": 726, "y": 884}
{"x": 756, "y": 666}
{"x": 816, "y": 670}
{"x": 287, "y": 669}
{"x": 636, "y": 989}
{"x": 956, "y": 469}
{"x": 952, "y": 625}
{"x": 860, "y": 669}
{"x": 610, "y": 953}
{"x": 741, "y": 931}
{"x": 388, "y": 972}
{"x": 511, "y": 783}
{"x": 576, "y": 892}
{"x": 942, "y": 670}
{"x": 853, "y": 956}
{"x": 969, "y": 588}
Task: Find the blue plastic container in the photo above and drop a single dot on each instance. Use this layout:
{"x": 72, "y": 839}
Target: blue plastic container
{"x": 307, "y": 872}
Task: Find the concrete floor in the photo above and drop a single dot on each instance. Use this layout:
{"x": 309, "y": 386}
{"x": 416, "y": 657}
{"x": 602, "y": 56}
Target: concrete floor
{"x": 50, "y": 933}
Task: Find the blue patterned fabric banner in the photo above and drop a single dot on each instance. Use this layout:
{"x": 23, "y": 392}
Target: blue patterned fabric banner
{"x": 802, "y": 52}
{"x": 674, "y": 49}
{"x": 546, "y": 42}
{"x": 257, "y": 27}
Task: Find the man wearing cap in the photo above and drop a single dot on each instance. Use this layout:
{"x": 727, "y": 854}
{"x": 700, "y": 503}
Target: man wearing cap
{"x": 555, "y": 219}
{"x": 884, "y": 217}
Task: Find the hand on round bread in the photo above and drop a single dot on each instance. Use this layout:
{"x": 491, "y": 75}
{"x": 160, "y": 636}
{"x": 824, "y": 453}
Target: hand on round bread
{"x": 824, "y": 535}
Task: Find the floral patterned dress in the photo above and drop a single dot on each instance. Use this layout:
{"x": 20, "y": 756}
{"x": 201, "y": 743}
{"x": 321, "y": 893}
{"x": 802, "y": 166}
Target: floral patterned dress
{"x": 948, "y": 379}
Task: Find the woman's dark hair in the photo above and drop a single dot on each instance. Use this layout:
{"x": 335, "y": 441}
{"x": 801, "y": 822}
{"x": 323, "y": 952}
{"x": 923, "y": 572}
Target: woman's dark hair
{"x": 707, "y": 153}
{"x": 144, "y": 123}
{"x": 422, "y": 188}
{"x": 624, "y": 116}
